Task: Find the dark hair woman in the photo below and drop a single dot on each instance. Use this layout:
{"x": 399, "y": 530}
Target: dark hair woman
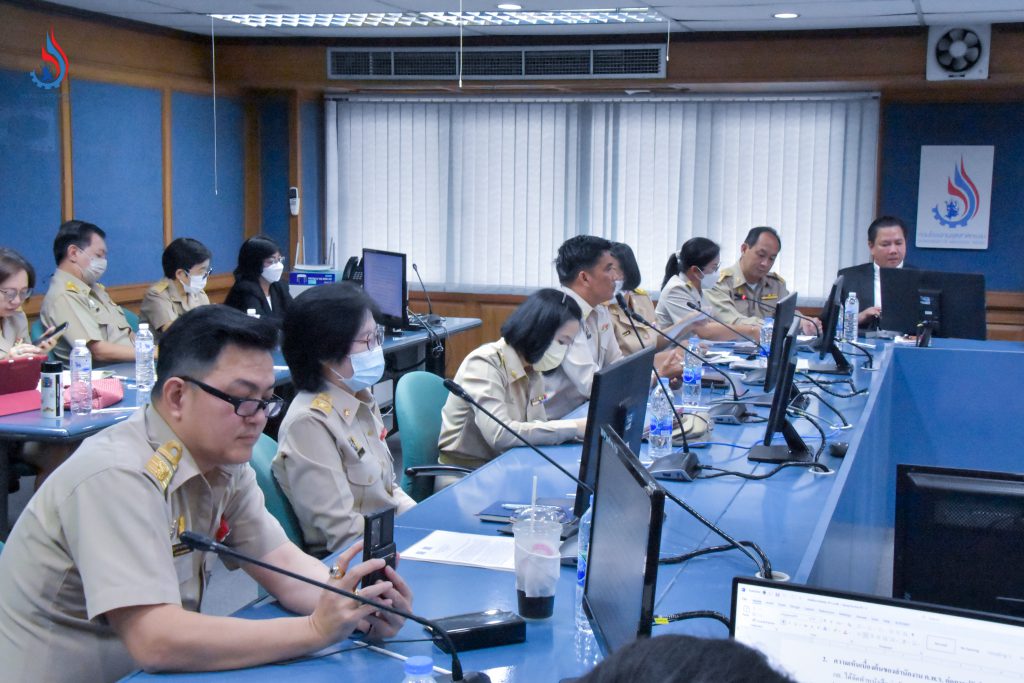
{"x": 258, "y": 283}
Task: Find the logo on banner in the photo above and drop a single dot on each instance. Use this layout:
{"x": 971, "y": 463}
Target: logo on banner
{"x": 963, "y": 202}
{"x": 53, "y": 56}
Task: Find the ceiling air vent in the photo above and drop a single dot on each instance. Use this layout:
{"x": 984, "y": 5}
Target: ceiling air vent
{"x": 499, "y": 63}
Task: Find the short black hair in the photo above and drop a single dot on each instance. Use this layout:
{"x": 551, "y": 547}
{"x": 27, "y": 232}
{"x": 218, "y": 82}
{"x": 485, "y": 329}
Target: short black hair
{"x": 885, "y": 222}
{"x": 12, "y": 263}
{"x": 77, "y": 233}
{"x": 755, "y": 234}
{"x": 532, "y": 326}
{"x": 577, "y": 254}
{"x": 251, "y": 256}
{"x": 191, "y": 345}
{"x": 319, "y": 327}
{"x": 685, "y": 659}
{"x": 627, "y": 265}
{"x": 696, "y": 251}
{"x": 182, "y": 254}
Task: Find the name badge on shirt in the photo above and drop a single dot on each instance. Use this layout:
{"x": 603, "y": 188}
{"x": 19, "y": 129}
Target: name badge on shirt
{"x": 360, "y": 451}
{"x": 540, "y": 399}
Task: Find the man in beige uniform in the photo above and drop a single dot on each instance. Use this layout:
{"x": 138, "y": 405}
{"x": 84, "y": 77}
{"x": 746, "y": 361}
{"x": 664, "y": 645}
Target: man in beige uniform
{"x": 76, "y": 297}
{"x": 94, "y": 579}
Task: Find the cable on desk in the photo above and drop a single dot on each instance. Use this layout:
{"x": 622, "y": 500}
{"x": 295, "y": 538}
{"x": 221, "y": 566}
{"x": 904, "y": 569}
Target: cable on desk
{"x": 686, "y": 557}
{"x": 320, "y": 655}
{"x": 869, "y": 364}
{"x": 824, "y": 437}
{"x": 695, "y": 614}
{"x": 758, "y": 477}
{"x": 827, "y": 390}
{"x": 828, "y": 405}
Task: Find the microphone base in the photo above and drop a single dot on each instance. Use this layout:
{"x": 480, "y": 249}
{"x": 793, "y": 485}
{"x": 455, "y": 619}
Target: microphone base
{"x": 432, "y": 319}
{"x": 778, "y": 454}
{"x": 678, "y": 466}
{"x": 728, "y": 413}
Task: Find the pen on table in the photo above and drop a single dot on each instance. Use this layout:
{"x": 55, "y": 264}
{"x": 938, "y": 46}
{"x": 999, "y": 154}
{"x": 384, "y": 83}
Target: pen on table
{"x": 115, "y": 410}
{"x": 514, "y": 506}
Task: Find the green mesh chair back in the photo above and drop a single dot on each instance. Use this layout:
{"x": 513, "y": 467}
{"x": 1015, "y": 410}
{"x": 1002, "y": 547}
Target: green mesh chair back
{"x": 419, "y": 398}
{"x": 277, "y": 504}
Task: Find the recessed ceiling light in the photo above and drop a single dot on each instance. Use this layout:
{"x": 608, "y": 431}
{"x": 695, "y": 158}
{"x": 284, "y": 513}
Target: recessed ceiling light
{"x": 510, "y": 7}
{"x": 786, "y": 15}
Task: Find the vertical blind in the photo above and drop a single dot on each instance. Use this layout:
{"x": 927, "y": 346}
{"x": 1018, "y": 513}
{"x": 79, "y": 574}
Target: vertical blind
{"x": 480, "y": 193}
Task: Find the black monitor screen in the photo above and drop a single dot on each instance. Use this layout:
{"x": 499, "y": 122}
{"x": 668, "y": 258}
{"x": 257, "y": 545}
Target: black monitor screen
{"x": 960, "y": 538}
{"x": 618, "y": 399}
{"x": 786, "y": 374}
{"x": 784, "y": 314}
{"x": 625, "y": 541}
{"x": 830, "y": 316}
{"x": 961, "y": 298}
{"x": 384, "y": 280}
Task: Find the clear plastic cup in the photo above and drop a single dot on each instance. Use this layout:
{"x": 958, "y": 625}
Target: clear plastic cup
{"x": 538, "y": 535}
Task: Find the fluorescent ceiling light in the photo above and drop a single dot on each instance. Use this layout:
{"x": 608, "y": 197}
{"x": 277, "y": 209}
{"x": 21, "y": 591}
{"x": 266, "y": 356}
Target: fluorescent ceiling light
{"x": 786, "y": 15}
{"x": 395, "y": 19}
{"x": 509, "y": 7}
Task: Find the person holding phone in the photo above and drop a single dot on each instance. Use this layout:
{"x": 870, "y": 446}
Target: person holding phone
{"x": 258, "y": 280}
{"x": 186, "y": 264}
{"x": 17, "y": 278}
{"x": 333, "y": 462}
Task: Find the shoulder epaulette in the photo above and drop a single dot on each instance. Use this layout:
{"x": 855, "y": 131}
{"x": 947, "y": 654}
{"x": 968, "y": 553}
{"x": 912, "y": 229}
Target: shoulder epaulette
{"x": 71, "y": 286}
{"x": 776, "y": 276}
{"x": 164, "y": 463}
{"x": 161, "y": 286}
{"x": 641, "y": 292}
{"x": 99, "y": 286}
{"x": 322, "y": 403}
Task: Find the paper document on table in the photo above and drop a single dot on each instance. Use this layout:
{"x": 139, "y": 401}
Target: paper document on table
{"x": 470, "y": 550}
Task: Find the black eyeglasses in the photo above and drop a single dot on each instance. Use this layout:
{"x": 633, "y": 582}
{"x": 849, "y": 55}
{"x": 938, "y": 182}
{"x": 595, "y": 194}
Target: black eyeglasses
{"x": 244, "y": 407}
{"x": 12, "y": 294}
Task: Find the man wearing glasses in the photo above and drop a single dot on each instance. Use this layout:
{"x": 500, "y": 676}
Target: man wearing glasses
{"x": 94, "y": 580}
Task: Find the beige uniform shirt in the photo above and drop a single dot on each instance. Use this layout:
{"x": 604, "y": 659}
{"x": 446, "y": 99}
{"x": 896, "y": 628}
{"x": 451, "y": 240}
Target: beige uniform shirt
{"x": 672, "y": 308}
{"x": 164, "y": 302}
{"x": 13, "y": 331}
{"x": 102, "y": 533}
{"x": 730, "y": 297}
{"x": 640, "y": 301}
{"x": 568, "y": 386}
{"x": 89, "y": 311}
{"x": 334, "y": 466}
{"x": 494, "y": 375}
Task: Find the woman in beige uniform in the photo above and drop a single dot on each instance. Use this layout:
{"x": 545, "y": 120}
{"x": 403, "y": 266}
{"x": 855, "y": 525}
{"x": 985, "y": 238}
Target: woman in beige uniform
{"x": 17, "y": 278}
{"x": 637, "y": 299}
{"x": 332, "y": 460}
{"x": 186, "y": 264}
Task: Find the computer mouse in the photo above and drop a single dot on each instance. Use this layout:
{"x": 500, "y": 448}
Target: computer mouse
{"x": 838, "y": 448}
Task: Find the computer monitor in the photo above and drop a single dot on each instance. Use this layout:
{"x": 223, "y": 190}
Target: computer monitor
{"x": 794, "y": 450}
{"x": 625, "y": 542}
{"x": 952, "y": 303}
{"x": 384, "y": 279}
{"x": 960, "y": 538}
{"x": 618, "y": 399}
{"x": 825, "y": 344}
{"x": 783, "y": 319}
{"x": 816, "y": 635}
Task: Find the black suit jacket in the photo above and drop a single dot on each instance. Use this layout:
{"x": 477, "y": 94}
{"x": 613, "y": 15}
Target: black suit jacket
{"x": 246, "y": 294}
{"x": 861, "y": 279}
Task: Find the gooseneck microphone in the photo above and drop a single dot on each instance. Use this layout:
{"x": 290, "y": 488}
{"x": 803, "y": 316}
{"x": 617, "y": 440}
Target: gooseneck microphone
{"x": 457, "y": 389}
{"x": 429, "y": 317}
{"x": 696, "y": 307}
{"x": 198, "y": 541}
{"x": 772, "y": 307}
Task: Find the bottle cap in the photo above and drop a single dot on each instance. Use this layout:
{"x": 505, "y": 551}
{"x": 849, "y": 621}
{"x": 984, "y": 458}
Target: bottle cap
{"x": 79, "y": 342}
{"x": 52, "y": 366}
{"x": 419, "y": 665}
{"x": 143, "y": 326}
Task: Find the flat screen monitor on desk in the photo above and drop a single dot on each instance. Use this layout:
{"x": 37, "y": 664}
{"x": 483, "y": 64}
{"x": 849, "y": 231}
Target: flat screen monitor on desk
{"x": 953, "y": 303}
{"x": 794, "y": 450}
{"x": 819, "y": 635}
{"x": 960, "y": 538}
{"x": 625, "y": 542}
{"x": 618, "y": 399}
{"x": 384, "y": 280}
{"x": 782, "y": 318}
{"x": 825, "y": 344}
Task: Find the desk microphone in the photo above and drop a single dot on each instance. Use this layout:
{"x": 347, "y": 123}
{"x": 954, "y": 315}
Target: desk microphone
{"x": 429, "y": 317}
{"x": 456, "y": 389}
{"x": 198, "y": 541}
{"x": 696, "y": 307}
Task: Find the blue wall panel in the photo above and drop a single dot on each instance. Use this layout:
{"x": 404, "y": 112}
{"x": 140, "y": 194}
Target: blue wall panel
{"x": 29, "y": 170}
{"x": 312, "y": 178}
{"x": 909, "y": 126}
{"x": 274, "y": 171}
{"x": 216, "y": 220}
{"x": 117, "y": 169}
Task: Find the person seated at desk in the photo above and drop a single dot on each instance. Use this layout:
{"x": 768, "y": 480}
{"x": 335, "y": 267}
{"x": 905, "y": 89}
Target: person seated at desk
{"x": 887, "y": 240}
{"x": 94, "y": 580}
{"x": 186, "y": 264}
{"x": 258, "y": 280}
{"x": 689, "y": 274}
{"x": 76, "y": 297}
{"x": 332, "y": 461}
{"x": 17, "y": 278}
{"x": 637, "y": 299}
{"x": 747, "y": 291}
{"x": 505, "y": 378}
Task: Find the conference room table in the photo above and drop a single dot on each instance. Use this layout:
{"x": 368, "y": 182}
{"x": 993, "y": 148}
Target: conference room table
{"x": 409, "y": 349}
{"x": 950, "y": 405}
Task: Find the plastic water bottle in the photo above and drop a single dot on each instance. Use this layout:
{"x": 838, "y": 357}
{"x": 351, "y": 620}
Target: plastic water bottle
{"x": 251, "y": 312}
{"x": 659, "y": 441}
{"x": 693, "y": 371}
{"x": 81, "y": 379}
{"x": 766, "y": 338}
{"x": 583, "y": 539}
{"x": 850, "y": 311}
{"x": 419, "y": 669}
{"x": 144, "y": 374}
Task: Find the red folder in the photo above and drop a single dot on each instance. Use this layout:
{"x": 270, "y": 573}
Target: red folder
{"x": 19, "y": 381}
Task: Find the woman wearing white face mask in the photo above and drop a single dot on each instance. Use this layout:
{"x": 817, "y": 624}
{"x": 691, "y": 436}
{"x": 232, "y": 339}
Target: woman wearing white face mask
{"x": 186, "y": 264}
{"x": 505, "y": 377}
{"x": 688, "y": 275}
{"x": 258, "y": 282}
{"x": 637, "y": 299}
{"x": 332, "y": 460}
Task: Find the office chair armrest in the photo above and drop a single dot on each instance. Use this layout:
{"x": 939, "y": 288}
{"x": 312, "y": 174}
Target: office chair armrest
{"x": 435, "y": 470}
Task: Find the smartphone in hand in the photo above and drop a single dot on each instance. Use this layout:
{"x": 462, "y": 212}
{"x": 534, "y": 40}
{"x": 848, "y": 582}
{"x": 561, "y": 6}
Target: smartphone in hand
{"x": 379, "y": 541}
{"x": 51, "y": 334}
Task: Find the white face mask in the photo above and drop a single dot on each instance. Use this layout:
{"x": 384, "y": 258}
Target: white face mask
{"x": 552, "y": 358}
{"x": 367, "y": 369}
{"x": 708, "y": 280}
{"x": 94, "y": 271}
{"x": 272, "y": 273}
{"x": 196, "y": 284}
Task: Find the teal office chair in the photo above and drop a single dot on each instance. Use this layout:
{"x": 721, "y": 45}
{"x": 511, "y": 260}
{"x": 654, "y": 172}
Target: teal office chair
{"x": 276, "y": 502}
{"x": 419, "y": 398}
{"x": 132, "y": 318}
{"x": 1, "y": 546}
